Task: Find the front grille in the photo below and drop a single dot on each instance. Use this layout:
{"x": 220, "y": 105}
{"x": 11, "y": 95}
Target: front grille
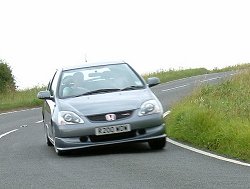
{"x": 117, "y": 136}
{"x": 119, "y": 115}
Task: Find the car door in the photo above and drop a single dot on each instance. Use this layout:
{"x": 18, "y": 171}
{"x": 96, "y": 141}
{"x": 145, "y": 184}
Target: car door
{"x": 49, "y": 105}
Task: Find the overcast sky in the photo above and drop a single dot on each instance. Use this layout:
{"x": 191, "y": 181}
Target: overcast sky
{"x": 37, "y": 36}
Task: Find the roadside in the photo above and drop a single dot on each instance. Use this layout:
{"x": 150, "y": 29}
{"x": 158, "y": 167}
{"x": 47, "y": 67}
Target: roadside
{"x": 198, "y": 120}
{"x": 215, "y": 118}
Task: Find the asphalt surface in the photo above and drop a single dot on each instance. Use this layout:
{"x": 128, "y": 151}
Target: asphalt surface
{"x": 26, "y": 161}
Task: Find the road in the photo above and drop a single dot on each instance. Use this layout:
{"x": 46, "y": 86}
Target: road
{"x": 26, "y": 161}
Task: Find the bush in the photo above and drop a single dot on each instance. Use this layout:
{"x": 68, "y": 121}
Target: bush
{"x": 7, "y": 81}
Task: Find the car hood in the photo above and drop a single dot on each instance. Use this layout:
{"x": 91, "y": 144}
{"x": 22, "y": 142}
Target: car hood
{"x": 107, "y": 102}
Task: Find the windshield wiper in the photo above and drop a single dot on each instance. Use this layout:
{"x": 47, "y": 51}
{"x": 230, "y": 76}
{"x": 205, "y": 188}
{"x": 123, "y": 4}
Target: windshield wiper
{"x": 99, "y": 91}
{"x": 132, "y": 87}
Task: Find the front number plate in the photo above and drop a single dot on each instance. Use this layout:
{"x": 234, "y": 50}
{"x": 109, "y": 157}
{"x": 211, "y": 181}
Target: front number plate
{"x": 112, "y": 129}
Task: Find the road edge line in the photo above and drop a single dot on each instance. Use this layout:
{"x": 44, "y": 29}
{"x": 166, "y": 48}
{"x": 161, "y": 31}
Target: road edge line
{"x": 203, "y": 152}
{"x": 207, "y": 153}
{"x": 5, "y": 113}
{"x": 12, "y": 131}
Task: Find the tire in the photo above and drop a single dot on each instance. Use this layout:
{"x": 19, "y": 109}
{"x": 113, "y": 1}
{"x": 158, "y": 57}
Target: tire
{"x": 48, "y": 141}
{"x": 46, "y": 137}
{"x": 157, "y": 144}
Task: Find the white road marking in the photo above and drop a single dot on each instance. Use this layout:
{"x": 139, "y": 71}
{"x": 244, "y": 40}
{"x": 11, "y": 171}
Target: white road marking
{"x": 39, "y": 121}
{"x": 18, "y": 111}
{"x": 203, "y": 152}
{"x": 175, "y": 87}
{"x": 210, "y": 79}
{"x": 181, "y": 86}
{"x": 207, "y": 153}
{"x": 166, "y": 113}
{"x": 8, "y": 133}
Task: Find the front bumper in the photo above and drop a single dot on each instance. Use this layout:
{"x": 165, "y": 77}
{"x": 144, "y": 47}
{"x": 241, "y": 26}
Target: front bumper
{"x": 76, "y": 143}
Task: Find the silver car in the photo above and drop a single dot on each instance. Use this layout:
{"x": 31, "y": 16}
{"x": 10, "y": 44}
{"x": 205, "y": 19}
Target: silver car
{"x": 101, "y": 104}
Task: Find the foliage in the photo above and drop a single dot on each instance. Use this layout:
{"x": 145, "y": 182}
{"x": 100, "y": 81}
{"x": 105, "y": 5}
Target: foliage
{"x": 20, "y": 99}
{"x": 231, "y": 68}
{"x": 7, "y": 81}
{"x": 171, "y": 74}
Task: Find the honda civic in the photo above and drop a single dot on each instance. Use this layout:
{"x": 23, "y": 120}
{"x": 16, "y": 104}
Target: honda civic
{"x": 97, "y": 104}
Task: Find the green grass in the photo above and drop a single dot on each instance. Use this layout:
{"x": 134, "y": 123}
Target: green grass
{"x": 216, "y": 117}
{"x": 230, "y": 68}
{"x": 20, "y": 99}
{"x": 170, "y": 75}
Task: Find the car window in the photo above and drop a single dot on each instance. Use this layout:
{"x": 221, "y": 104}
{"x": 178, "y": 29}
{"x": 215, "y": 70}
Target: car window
{"x": 117, "y": 76}
{"x": 54, "y": 82}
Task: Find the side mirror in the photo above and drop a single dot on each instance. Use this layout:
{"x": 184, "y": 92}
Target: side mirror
{"x": 152, "y": 81}
{"x": 44, "y": 95}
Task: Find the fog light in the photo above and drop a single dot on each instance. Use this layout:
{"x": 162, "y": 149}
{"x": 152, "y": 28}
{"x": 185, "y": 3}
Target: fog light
{"x": 141, "y": 131}
{"x": 83, "y": 138}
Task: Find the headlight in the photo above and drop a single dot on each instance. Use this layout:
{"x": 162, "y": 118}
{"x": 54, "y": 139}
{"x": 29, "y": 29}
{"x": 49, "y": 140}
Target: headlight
{"x": 150, "y": 107}
{"x": 67, "y": 118}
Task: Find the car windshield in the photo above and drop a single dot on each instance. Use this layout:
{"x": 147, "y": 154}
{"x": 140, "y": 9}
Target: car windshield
{"x": 98, "y": 79}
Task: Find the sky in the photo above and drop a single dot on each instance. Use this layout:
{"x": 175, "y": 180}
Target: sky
{"x": 38, "y": 36}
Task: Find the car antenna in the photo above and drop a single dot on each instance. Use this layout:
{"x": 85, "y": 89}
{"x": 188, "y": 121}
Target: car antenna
{"x": 85, "y": 56}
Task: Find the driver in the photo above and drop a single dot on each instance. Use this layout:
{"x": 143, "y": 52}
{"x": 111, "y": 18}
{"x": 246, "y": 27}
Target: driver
{"x": 77, "y": 86}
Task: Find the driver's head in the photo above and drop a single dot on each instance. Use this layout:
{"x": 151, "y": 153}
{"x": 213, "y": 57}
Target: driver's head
{"x": 78, "y": 78}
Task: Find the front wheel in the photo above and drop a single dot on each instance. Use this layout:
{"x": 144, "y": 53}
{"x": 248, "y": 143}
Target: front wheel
{"x": 157, "y": 144}
{"x": 48, "y": 141}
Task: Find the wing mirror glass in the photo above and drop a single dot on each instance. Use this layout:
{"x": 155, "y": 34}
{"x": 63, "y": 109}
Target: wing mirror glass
{"x": 153, "y": 81}
{"x": 44, "y": 95}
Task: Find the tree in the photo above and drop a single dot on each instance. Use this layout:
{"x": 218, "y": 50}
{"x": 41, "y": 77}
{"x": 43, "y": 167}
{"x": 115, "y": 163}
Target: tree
{"x": 7, "y": 81}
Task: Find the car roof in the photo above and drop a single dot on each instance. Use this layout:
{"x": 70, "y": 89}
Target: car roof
{"x": 91, "y": 64}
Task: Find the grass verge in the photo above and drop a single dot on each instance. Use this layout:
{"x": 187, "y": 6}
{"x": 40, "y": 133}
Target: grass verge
{"x": 20, "y": 99}
{"x": 216, "y": 117}
{"x": 172, "y": 74}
